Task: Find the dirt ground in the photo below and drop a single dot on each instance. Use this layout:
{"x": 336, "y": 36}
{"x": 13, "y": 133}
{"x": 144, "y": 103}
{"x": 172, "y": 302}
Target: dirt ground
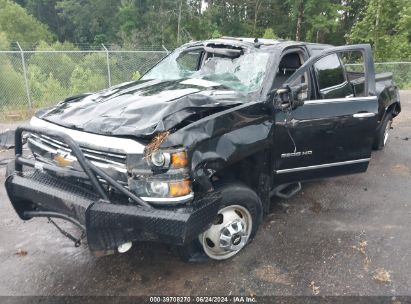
{"x": 343, "y": 236}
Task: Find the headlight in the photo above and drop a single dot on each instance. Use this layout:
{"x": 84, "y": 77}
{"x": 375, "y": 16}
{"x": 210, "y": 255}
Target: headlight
{"x": 179, "y": 159}
{"x": 157, "y": 189}
{"x": 160, "y": 159}
{"x": 151, "y": 190}
{"x": 180, "y": 188}
{"x": 161, "y": 177}
{"x": 168, "y": 159}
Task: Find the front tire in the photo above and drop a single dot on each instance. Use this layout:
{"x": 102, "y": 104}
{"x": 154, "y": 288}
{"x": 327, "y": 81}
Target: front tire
{"x": 235, "y": 225}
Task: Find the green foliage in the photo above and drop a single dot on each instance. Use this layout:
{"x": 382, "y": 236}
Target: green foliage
{"x": 61, "y": 65}
{"x": 4, "y": 42}
{"x": 20, "y": 26}
{"x": 126, "y": 17}
{"x": 386, "y": 25}
{"x": 216, "y": 34}
{"x": 137, "y": 23}
{"x": 11, "y": 85}
{"x": 88, "y": 20}
{"x": 324, "y": 19}
{"x": 136, "y": 76}
{"x": 84, "y": 80}
{"x": 269, "y": 34}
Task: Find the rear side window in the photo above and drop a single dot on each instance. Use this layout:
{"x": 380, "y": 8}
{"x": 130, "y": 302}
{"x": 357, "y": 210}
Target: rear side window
{"x": 189, "y": 62}
{"x": 330, "y": 72}
{"x": 354, "y": 65}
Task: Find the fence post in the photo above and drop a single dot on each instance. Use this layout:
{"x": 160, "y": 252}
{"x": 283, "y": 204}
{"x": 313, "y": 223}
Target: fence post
{"x": 108, "y": 65}
{"x": 164, "y": 48}
{"x": 26, "y": 81}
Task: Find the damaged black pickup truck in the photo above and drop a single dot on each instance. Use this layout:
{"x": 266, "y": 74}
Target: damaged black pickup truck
{"x": 191, "y": 154}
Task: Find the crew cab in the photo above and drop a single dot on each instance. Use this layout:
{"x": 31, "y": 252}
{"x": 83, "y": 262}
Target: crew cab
{"x": 193, "y": 152}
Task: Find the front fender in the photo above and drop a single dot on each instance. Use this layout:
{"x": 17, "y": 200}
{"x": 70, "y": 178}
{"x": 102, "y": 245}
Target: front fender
{"x": 224, "y": 138}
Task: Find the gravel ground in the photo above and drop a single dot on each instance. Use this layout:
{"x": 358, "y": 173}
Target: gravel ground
{"x": 343, "y": 236}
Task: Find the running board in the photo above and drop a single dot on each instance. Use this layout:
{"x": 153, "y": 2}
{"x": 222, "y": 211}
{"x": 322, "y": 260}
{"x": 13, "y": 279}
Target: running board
{"x": 286, "y": 190}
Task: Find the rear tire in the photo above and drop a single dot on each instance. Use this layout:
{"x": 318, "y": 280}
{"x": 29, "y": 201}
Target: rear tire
{"x": 236, "y": 224}
{"x": 383, "y": 133}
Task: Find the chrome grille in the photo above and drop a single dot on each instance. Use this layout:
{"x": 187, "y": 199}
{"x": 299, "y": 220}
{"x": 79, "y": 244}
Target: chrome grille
{"x": 98, "y": 157}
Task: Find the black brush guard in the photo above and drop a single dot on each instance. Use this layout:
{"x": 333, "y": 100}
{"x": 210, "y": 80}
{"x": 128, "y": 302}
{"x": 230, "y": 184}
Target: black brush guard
{"x": 108, "y": 223}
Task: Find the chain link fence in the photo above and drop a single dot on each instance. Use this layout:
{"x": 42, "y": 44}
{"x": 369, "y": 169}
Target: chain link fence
{"x": 401, "y": 72}
{"x": 32, "y": 79}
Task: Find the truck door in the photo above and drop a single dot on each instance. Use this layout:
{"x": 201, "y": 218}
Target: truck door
{"x": 332, "y": 132}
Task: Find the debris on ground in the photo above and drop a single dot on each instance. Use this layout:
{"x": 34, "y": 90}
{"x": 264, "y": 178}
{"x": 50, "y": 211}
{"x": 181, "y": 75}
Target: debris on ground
{"x": 154, "y": 145}
{"x": 382, "y": 276}
{"x": 402, "y": 169}
{"x": 315, "y": 289}
{"x": 406, "y": 138}
{"x": 20, "y": 252}
{"x": 272, "y": 274}
{"x": 7, "y": 139}
{"x": 362, "y": 248}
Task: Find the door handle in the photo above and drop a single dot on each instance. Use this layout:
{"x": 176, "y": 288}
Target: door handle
{"x": 363, "y": 115}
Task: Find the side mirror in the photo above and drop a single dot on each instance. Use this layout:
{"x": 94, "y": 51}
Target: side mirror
{"x": 299, "y": 95}
{"x": 282, "y": 98}
{"x": 290, "y": 97}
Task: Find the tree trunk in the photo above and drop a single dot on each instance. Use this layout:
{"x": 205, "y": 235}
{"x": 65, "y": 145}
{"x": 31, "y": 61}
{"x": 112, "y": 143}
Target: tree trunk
{"x": 162, "y": 23}
{"x": 377, "y": 23}
{"x": 298, "y": 33}
{"x": 178, "y": 22}
{"x": 200, "y": 6}
{"x": 256, "y": 9}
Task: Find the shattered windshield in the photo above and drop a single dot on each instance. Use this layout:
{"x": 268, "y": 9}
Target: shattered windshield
{"x": 241, "y": 72}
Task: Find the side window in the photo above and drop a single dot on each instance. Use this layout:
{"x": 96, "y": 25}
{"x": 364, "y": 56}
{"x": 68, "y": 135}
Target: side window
{"x": 288, "y": 65}
{"x": 331, "y": 78}
{"x": 355, "y": 69}
{"x": 329, "y": 71}
{"x": 188, "y": 62}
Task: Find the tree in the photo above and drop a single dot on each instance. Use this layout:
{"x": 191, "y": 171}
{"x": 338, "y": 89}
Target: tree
{"x": 138, "y": 23}
{"x": 20, "y": 26}
{"x": 386, "y": 26}
{"x": 89, "y": 19}
{"x": 269, "y": 34}
{"x": 323, "y": 20}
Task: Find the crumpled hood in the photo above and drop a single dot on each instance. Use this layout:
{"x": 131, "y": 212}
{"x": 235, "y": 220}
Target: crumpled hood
{"x": 141, "y": 108}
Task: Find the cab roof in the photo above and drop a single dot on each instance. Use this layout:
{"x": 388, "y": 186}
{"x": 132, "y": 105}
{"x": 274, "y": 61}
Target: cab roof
{"x": 257, "y": 43}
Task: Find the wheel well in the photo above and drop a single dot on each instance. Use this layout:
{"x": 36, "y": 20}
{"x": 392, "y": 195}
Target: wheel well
{"x": 253, "y": 171}
{"x": 246, "y": 170}
{"x": 394, "y": 109}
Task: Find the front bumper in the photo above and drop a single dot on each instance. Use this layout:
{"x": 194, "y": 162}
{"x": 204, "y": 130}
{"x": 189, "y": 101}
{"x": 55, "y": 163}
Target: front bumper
{"x": 109, "y": 220}
{"x": 108, "y": 225}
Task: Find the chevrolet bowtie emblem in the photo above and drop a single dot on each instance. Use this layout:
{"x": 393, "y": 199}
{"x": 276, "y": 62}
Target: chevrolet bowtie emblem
{"x": 61, "y": 160}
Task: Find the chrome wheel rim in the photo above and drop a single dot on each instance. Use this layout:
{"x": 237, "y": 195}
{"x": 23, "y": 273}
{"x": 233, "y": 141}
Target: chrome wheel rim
{"x": 228, "y": 234}
{"x": 387, "y": 132}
